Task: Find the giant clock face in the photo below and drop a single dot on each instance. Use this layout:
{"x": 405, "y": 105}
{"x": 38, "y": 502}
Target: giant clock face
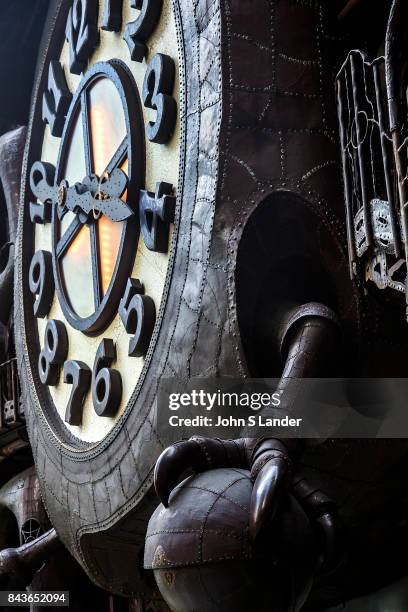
{"x": 101, "y": 208}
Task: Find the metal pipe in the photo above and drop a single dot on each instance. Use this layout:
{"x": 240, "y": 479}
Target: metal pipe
{"x": 366, "y": 204}
{"x": 387, "y": 165}
{"x": 347, "y": 186}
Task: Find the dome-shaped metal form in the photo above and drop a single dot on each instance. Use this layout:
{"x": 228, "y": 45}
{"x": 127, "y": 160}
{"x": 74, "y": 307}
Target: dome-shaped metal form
{"x": 202, "y": 557}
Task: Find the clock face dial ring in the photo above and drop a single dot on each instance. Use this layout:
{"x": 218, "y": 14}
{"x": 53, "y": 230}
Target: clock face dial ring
{"x": 114, "y": 85}
{"x": 112, "y": 138}
{"x": 95, "y": 467}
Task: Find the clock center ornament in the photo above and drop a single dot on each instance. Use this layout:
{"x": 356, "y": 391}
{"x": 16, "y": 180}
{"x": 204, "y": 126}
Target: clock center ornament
{"x": 156, "y": 212}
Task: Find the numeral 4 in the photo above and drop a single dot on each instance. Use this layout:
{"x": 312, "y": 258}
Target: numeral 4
{"x": 156, "y": 213}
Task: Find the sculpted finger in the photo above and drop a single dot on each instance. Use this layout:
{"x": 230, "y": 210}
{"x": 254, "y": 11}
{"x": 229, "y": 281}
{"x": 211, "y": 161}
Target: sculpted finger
{"x": 269, "y": 489}
{"x": 173, "y": 463}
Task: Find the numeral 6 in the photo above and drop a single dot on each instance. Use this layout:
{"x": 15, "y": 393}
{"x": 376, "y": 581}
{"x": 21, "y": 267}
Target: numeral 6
{"x": 138, "y": 314}
{"x": 106, "y": 383}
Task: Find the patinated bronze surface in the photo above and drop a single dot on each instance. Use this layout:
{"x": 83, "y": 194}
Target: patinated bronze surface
{"x": 270, "y": 275}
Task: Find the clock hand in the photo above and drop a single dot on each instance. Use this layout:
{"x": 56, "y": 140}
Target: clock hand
{"x": 92, "y": 194}
{"x": 102, "y": 196}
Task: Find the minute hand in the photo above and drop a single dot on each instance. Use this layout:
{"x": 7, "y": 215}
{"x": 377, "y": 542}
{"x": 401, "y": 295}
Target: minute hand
{"x": 94, "y": 195}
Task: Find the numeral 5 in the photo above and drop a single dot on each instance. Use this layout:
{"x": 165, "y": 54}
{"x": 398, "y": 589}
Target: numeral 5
{"x": 138, "y": 314}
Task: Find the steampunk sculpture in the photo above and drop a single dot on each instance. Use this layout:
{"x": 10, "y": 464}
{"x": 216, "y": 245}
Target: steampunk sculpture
{"x": 208, "y": 189}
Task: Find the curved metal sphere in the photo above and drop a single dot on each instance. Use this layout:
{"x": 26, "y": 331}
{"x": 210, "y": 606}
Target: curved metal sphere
{"x": 203, "y": 560}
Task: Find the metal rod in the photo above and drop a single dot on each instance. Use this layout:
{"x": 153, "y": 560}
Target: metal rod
{"x": 366, "y": 205}
{"x": 347, "y": 186}
{"x": 402, "y": 196}
{"x": 18, "y": 565}
{"x": 387, "y": 165}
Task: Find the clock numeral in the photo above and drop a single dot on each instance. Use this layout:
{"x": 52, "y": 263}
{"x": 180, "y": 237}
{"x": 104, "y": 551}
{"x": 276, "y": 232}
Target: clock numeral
{"x": 77, "y": 374}
{"x": 40, "y": 213}
{"x": 56, "y": 99}
{"x": 157, "y": 88}
{"x": 41, "y": 282}
{"x": 54, "y": 352}
{"x": 106, "y": 382}
{"x": 82, "y": 33}
{"x": 138, "y": 314}
{"x": 137, "y": 32}
{"x": 42, "y": 187}
{"x": 156, "y": 213}
{"x": 112, "y": 16}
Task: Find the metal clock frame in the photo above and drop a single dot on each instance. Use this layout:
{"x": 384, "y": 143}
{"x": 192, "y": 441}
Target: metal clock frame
{"x": 132, "y": 147}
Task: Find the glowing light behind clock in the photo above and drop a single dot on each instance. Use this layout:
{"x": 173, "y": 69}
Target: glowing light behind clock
{"x": 107, "y": 123}
{"x": 107, "y": 132}
{"x": 76, "y": 265}
{"x": 77, "y": 273}
{"x": 109, "y": 242}
{"x": 110, "y": 235}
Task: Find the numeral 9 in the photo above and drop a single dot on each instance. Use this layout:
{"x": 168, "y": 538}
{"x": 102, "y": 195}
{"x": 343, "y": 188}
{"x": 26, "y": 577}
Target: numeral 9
{"x": 41, "y": 282}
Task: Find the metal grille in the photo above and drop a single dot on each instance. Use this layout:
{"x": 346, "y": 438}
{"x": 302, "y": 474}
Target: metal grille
{"x": 11, "y": 407}
{"x": 373, "y": 222}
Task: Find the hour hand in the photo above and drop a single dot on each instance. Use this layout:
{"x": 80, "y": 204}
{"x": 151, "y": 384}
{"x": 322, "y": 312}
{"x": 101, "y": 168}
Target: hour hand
{"x": 95, "y": 196}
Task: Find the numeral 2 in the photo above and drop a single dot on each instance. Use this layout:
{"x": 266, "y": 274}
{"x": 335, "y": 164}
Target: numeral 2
{"x": 157, "y": 88}
{"x": 82, "y": 33}
{"x": 56, "y": 99}
{"x": 138, "y": 314}
{"x": 137, "y": 32}
{"x": 106, "y": 382}
{"x": 77, "y": 374}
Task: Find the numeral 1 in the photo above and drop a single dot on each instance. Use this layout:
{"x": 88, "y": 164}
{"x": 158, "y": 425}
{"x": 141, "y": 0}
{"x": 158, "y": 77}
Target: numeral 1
{"x": 112, "y": 16}
{"x": 56, "y": 99}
